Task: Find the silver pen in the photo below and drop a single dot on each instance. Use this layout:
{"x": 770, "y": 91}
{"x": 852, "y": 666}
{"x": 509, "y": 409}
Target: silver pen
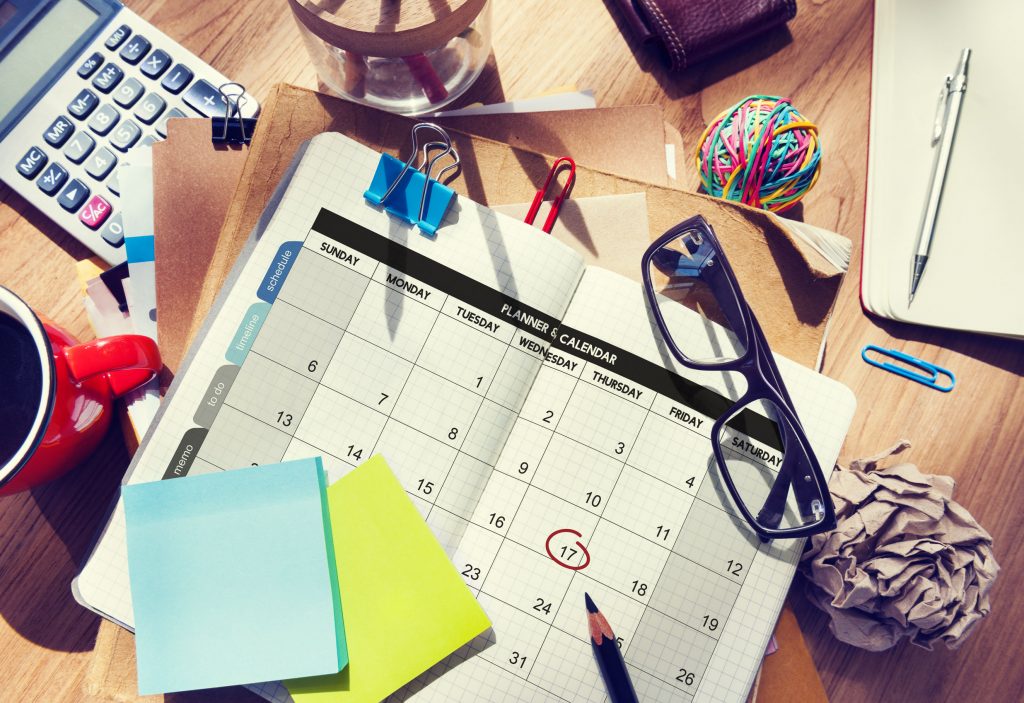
{"x": 947, "y": 117}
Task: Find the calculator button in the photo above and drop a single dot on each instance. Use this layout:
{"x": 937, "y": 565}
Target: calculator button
{"x": 79, "y": 147}
{"x": 104, "y": 119}
{"x": 161, "y": 127}
{"x": 83, "y": 104}
{"x": 59, "y": 131}
{"x": 126, "y": 134}
{"x": 52, "y": 179}
{"x": 128, "y": 93}
{"x": 117, "y": 37}
{"x": 114, "y": 182}
{"x": 113, "y": 233}
{"x": 90, "y": 65}
{"x": 74, "y": 195}
{"x": 33, "y": 160}
{"x": 95, "y": 212}
{"x": 155, "y": 64}
{"x": 149, "y": 140}
{"x": 177, "y": 79}
{"x": 100, "y": 163}
{"x": 205, "y": 99}
{"x": 150, "y": 108}
{"x": 134, "y": 50}
{"x": 109, "y": 77}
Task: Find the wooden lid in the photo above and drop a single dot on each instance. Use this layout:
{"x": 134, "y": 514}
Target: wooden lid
{"x": 386, "y": 27}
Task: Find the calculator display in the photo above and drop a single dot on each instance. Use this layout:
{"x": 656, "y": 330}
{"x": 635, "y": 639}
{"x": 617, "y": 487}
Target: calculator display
{"x": 33, "y": 55}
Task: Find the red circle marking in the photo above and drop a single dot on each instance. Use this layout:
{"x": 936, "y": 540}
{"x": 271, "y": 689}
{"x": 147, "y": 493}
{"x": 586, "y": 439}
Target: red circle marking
{"x": 547, "y": 546}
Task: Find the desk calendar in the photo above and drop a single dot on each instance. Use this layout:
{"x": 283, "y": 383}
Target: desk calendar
{"x": 523, "y": 400}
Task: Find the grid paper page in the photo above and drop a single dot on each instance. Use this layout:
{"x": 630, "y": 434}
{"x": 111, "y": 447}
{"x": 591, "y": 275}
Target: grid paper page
{"x": 544, "y": 468}
{"x": 321, "y": 349}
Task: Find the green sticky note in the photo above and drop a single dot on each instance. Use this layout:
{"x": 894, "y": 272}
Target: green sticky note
{"x": 233, "y": 578}
{"x": 406, "y": 607}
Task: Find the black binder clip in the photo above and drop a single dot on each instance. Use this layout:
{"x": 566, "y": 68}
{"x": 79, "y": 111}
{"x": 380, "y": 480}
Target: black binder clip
{"x": 407, "y": 191}
{"x": 232, "y": 128}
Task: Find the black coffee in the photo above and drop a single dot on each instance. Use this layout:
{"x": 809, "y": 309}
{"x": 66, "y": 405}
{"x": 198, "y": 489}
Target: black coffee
{"x": 21, "y": 383}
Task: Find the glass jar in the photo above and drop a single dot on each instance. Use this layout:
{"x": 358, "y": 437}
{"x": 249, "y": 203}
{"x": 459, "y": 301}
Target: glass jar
{"x": 410, "y": 57}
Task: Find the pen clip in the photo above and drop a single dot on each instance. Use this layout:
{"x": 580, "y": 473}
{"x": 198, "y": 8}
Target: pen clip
{"x": 940, "y": 108}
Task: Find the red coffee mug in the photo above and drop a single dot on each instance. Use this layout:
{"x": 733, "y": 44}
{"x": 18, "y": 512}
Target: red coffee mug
{"x": 71, "y": 411}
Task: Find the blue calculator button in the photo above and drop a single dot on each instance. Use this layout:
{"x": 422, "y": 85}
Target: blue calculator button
{"x": 90, "y": 65}
{"x": 125, "y": 136}
{"x": 150, "y": 108}
{"x": 113, "y": 233}
{"x": 52, "y": 179}
{"x": 83, "y": 104}
{"x": 135, "y": 49}
{"x": 177, "y": 79}
{"x": 109, "y": 77}
{"x": 33, "y": 160}
{"x": 58, "y": 132}
{"x": 117, "y": 37}
{"x": 114, "y": 182}
{"x": 155, "y": 64}
{"x": 104, "y": 119}
{"x": 80, "y": 146}
{"x": 149, "y": 140}
{"x": 204, "y": 98}
{"x": 74, "y": 195}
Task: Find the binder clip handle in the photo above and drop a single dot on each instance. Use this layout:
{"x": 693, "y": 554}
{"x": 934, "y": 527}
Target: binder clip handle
{"x": 407, "y": 189}
{"x": 240, "y": 130}
{"x": 560, "y": 164}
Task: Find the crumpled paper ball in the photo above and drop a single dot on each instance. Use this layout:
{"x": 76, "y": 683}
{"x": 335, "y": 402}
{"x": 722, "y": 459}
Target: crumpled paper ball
{"x": 905, "y": 559}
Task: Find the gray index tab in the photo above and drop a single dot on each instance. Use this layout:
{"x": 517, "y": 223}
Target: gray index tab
{"x": 186, "y": 454}
{"x": 215, "y": 394}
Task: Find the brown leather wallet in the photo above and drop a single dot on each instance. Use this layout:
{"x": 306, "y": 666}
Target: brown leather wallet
{"x": 692, "y": 30}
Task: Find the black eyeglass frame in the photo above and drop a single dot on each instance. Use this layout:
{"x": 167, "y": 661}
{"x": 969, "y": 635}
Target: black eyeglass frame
{"x": 764, "y": 382}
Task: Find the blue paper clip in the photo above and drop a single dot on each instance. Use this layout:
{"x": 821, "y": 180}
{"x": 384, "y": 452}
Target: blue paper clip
{"x": 409, "y": 192}
{"x": 929, "y": 375}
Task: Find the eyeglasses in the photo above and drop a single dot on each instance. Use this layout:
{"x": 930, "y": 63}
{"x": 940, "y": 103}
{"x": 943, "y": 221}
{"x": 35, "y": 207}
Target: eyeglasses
{"x": 760, "y": 447}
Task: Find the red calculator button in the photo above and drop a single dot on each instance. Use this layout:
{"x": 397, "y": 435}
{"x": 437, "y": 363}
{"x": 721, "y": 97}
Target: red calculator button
{"x": 95, "y": 212}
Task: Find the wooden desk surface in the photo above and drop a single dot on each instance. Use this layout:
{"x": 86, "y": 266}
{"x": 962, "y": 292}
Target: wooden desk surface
{"x": 823, "y": 63}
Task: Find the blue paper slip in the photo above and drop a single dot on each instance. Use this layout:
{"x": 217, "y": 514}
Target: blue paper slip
{"x": 233, "y": 579}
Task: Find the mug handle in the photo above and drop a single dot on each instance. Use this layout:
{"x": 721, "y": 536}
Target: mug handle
{"x": 127, "y": 361}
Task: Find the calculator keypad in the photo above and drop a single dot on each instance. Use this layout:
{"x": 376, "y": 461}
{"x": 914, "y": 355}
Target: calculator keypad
{"x": 59, "y": 131}
{"x": 121, "y": 91}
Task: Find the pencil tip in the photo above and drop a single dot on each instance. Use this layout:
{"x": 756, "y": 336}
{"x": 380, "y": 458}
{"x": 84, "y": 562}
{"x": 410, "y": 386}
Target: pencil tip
{"x": 910, "y": 299}
{"x": 590, "y": 603}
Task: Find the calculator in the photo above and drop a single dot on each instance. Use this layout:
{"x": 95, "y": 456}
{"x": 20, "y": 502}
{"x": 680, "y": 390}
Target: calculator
{"x": 82, "y": 83}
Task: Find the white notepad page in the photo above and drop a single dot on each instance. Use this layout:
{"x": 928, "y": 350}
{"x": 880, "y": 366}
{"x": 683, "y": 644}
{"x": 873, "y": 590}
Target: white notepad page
{"x": 972, "y": 280}
{"x": 526, "y": 459}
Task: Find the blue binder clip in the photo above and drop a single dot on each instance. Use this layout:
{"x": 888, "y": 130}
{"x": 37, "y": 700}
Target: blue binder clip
{"x": 923, "y": 372}
{"x": 408, "y": 192}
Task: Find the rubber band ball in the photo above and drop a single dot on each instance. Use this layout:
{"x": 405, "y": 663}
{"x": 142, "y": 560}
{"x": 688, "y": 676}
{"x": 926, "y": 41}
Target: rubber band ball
{"x": 762, "y": 152}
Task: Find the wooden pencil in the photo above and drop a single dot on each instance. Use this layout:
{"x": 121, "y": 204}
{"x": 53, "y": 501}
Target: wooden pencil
{"x": 609, "y": 656}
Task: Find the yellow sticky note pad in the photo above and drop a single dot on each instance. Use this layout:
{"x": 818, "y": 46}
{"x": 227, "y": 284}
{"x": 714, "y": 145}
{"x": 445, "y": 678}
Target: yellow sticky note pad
{"x": 406, "y": 607}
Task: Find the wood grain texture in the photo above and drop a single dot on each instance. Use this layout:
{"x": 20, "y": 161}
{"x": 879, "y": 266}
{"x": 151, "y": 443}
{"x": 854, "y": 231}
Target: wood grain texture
{"x": 822, "y": 61}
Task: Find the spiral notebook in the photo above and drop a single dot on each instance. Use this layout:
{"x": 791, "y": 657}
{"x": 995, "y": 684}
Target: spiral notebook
{"x": 521, "y": 398}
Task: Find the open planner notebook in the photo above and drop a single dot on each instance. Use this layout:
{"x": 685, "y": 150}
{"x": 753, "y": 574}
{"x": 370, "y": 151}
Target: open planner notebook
{"x": 523, "y": 400}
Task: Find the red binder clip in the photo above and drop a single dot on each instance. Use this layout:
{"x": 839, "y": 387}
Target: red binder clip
{"x": 560, "y": 164}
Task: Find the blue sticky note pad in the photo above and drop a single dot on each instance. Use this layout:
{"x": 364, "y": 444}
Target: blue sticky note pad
{"x": 233, "y": 578}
